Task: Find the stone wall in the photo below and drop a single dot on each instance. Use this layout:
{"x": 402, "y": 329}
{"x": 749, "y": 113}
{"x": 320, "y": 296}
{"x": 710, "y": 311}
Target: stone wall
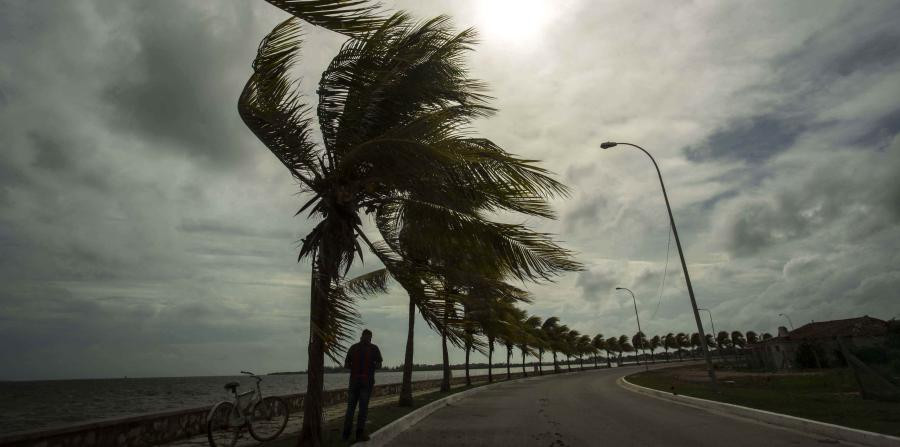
{"x": 160, "y": 428}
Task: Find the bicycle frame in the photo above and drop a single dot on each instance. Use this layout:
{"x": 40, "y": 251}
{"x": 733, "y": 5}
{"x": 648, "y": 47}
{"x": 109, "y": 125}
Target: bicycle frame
{"x": 240, "y": 406}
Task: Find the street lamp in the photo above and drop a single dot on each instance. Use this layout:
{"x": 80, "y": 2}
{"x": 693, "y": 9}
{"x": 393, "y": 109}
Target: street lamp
{"x": 713, "y": 323}
{"x": 633, "y": 300}
{"x": 687, "y": 277}
{"x": 788, "y": 319}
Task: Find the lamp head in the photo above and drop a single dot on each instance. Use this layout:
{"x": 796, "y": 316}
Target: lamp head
{"x": 608, "y": 145}
{"x": 619, "y": 288}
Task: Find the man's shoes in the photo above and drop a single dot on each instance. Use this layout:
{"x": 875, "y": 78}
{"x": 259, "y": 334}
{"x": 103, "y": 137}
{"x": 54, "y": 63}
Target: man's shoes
{"x": 360, "y": 437}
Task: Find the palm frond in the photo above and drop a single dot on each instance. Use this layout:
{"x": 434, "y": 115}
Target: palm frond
{"x": 353, "y": 18}
{"x": 370, "y": 283}
{"x": 271, "y": 104}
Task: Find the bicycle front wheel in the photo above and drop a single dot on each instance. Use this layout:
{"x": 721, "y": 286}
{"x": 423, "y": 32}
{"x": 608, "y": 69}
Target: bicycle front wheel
{"x": 223, "y": 425}
{"x": 268, "y": 418}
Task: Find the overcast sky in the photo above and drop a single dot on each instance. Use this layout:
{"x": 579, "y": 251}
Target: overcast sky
{"x": 145, "y": 232}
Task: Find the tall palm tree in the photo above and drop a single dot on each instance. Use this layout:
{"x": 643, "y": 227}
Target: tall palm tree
{"x": 562, "y": 339}
{"x": 752, "y": 337}
{"x": 766, "y": 336}
{"x": 669, "y": 342}
{"x": 531, "y": 339}
{"x": 653, "y": 344}
{"x": 570, "y": 346}
{"x": 612, "y": 345}
{"x": 552, "y": 331}
{"x": 584, "y": 347}
{"x": 711, "y": 342}
{"x": 695, "y": 344}
{"x": 737, "y": 343}
{"x": 599, "y": 344}
{"x": 723, "y": 341}
{"x": 624, "y": 346}
{"x": 639, "y": 341}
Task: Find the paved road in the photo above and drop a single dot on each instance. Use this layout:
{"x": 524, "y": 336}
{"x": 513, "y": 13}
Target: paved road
{"x": 586, "y": 409}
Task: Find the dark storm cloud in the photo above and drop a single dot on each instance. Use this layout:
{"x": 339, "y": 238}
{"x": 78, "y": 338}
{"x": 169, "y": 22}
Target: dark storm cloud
{"x": 754, "y": 140}
{"x": 880, "y": 132}
{"x": 172, "y": 83}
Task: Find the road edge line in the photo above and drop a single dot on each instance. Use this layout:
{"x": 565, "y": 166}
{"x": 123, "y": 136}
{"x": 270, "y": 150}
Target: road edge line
{"x": 803, "y": 425}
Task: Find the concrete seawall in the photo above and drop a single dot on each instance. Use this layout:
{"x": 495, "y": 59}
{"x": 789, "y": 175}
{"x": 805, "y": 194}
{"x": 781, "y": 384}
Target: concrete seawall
{"x": 159, "y": 428}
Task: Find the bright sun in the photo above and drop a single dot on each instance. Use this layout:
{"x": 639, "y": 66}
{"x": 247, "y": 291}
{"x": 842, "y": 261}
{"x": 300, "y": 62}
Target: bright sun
{"x": 512, "y": 20}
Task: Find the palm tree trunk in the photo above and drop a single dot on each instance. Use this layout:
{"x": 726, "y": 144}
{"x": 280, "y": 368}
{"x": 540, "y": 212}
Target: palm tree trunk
{"x": 445, "y": 382}
{"x": 406, "y": 399}
{"x": 311, "y": 432}
{"x": 608, "y": 361}
{"x": 490, "y": 360}
{"x": 596, "y": 359}
{"x": 540, "y": 362}
{"x": 555, "y": 363}
{"x": 667, "y": 356}
{"x": 524, "y": 372}
{"x": 468, "y": 351}
{"x": 508, "y": 355}
{"x": 569, "y": 363}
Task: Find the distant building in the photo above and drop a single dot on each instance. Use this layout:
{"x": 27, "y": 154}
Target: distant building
{"x": 816, "y": 344}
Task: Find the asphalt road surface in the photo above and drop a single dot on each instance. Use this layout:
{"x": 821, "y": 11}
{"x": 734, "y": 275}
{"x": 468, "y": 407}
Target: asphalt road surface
{"x": 586, "y": 409}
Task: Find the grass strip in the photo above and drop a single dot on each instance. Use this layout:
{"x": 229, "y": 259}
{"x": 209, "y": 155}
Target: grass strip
{"x": 829, "y": 396}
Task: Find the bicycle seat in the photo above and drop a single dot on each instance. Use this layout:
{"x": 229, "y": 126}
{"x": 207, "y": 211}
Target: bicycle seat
{"x": 232, "y": 386}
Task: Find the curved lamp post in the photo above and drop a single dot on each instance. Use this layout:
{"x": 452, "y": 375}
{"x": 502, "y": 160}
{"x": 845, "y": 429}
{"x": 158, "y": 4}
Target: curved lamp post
{"x": 634, "y": 300}
{"x": 687, "y": 277}
{"x": 788, "y": 319}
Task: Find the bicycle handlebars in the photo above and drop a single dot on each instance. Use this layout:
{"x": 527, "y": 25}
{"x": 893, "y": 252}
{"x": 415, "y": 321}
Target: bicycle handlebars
{"x": 258, "y": 378}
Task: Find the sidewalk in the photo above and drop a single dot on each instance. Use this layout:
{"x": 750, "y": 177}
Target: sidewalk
{"x": 295, "y": 422}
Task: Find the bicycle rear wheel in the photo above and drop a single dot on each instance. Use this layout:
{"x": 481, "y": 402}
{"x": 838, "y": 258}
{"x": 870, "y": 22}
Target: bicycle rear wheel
{"x": 223, "y": 425}
{"x": 268, "y": 418}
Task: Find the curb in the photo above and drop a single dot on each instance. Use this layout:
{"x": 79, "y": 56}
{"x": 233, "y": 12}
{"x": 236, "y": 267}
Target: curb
{"x": 808, "y": 426}
{"x": 387, "y": 433}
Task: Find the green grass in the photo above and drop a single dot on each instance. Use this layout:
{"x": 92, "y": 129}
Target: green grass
{"x": 830, "y": 396}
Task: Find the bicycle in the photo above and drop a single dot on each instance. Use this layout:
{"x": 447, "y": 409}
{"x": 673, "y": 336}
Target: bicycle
{"x": 265, "y": 417}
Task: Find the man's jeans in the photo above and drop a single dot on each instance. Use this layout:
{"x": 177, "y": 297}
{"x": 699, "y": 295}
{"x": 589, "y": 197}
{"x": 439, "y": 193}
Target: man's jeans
{"x": 359, "y": 392}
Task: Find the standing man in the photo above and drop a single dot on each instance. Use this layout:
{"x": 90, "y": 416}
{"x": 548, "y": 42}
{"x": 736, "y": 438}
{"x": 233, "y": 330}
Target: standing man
{"x": 362, "y": 359}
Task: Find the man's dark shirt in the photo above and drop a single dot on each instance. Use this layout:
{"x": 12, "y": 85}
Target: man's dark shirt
{"x": 362, "y": 360}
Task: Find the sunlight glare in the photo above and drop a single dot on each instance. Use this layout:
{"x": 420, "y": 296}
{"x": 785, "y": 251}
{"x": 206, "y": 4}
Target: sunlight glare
{"x": 512, "y": 20}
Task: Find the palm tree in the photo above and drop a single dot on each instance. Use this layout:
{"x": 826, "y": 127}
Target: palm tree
{"x": 612, "y": 345}
{"x": 696, "y": 343}
{"x": 723, "y": 341}
{"x": 752, "y": 338}
{"x": 532, "y": 341}
{"x": 627, "y": 347}
{"x": 653, "y": 345}
{"x": 711, "y": 342}
{"x": 737, "y": 342}
{"x": 766, "y": 336}
{"x": 570, "y": 346}
{"x": 599, "y": 345}
{"x": 639, "y": 341}
{"x": 623, "y": 343}
{"x": 552, "y": 331}
{"x": 669, "y": 342}
{"x": 583, "y": 347}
